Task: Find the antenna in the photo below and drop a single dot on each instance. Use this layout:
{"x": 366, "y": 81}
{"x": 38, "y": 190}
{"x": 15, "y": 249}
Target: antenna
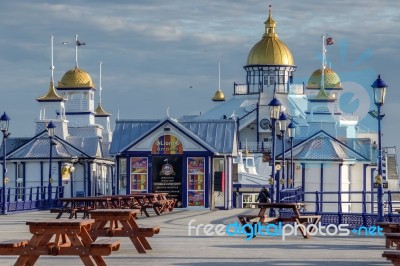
{"x": 219, "y": 76}
{"x": 100, "y": 88}
{"x": 323, "y": 63}
{"x": 168, "y": 111}
{"x": 52, "y": 58}
{"x": 76, "y": 50}
{"x": 118, "y": 114}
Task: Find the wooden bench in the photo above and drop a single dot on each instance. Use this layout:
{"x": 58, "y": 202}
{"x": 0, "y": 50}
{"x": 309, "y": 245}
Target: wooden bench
{"x": 71, "y": 211}
{"x": 309, "y": 219}
{"x": 104, "y": 247}
{"x": 393, "y": 238}
{"x": 393, "y": 256}
{"x": 252, "y": 218}
{"x": 245, "y": 219}
{"x": 12, "y": 246}
{"x": 121, "y": 232}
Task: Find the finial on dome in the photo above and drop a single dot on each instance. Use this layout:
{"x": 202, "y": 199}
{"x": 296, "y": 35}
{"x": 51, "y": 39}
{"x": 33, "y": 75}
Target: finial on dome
{"x": 219, "y": 95}
{"x": 270, "y": 24}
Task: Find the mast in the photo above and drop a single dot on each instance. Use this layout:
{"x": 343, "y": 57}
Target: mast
{"x": 52, "y": 57}
{"x": 323, "y": 63}
{"x": 219, "y": 75}
{"x": 100, "y": 88}
{"x": 76, "y": 50}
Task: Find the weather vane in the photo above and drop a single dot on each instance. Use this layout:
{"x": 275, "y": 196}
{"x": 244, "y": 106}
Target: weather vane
{"x": 77, "y": 43}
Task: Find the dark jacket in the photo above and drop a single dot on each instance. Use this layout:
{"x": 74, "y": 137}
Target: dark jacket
{"x": 263, "y": 196}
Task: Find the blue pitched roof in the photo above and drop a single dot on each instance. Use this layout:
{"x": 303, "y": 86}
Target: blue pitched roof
{"x": 38, "y": 147}
{"x": 323, "y": 147}
{"x": 215, "y": 135}
{"x": 89, "y": 145}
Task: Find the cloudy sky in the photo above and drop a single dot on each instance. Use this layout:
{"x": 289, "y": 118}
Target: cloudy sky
{"x": 158, "y": 54}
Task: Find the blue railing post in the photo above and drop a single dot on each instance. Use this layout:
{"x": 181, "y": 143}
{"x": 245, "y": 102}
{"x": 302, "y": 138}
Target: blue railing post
{"x": 37, "y": 204}
{"x": 340, "y": 213}
{"x": 390, "y": 205}
{"x": 364, "y": 208}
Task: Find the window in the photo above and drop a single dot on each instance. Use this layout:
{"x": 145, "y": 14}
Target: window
{"x": 248, "y": 199}
{"x": 122, "y": 173}
{"x": 139, "y": 174}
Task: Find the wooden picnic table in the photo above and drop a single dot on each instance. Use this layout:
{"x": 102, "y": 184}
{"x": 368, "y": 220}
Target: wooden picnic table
{"x": 156, "y": 201}
{"x": 142, "y": 201}
{"x": 392, "y": 233}
{"x": 74, "y": 205}
{"x": 121, "y": 223}
{"x": 292, "y": 216}
{"x": 71, "y": 238}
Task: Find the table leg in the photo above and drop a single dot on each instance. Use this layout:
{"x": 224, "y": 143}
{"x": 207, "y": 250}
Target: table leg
{"x": 132, "y": 223}
{"x": 99, "y": 261}
{"x": 142, "y": 204}
{"x": 36, "y": 240}
{"x": 64, "y": 207}
{"x": 76, "y": 242}
{"x": 140, "y": 243}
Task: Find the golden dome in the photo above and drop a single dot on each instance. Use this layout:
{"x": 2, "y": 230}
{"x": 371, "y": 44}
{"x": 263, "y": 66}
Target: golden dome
{"x": 270, "y": 50}
{"x": 100, "y": 111}
{"x": 332, "y": 80}
{"x": 218, "y": 96}
{"x": 76, "y": 78}
{"x": 51, "y": 95}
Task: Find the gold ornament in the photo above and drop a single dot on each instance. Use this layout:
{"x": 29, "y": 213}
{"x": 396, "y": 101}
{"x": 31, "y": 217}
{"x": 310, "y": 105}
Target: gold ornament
{"x": 271, "y": 181}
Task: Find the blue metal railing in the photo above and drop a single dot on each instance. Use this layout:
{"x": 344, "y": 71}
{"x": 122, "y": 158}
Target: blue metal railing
{"x": 31, "y": 198}
{"x": 356, "y": 208}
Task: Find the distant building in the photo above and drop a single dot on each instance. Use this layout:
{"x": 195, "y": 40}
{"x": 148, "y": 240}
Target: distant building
{"x": 80, "y": 148}
{"x": 331, "y": 153}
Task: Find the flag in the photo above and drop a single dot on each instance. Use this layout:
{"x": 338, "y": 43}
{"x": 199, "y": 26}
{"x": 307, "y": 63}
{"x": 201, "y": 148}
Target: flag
{"x": 78, "y": 43}
{"x": 329, "y": 41}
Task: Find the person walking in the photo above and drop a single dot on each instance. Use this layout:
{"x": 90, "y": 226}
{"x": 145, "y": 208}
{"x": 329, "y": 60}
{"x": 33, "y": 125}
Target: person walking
{"x": 263, "y": 196}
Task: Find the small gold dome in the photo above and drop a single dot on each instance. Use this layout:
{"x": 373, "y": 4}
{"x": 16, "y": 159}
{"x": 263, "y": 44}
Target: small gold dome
{"x": 332, "y": 80}
{"x": 270, "y": 50}
{"x": 100, "y": 111}
{"x": 76, "y": 78}
{"x": 51, "y": 95}
{"x": 218, "y": 96}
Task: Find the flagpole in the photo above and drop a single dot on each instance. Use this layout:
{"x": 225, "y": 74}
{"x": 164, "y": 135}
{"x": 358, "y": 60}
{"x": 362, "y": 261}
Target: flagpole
{"x": 76, "y": 50}
{"x": 100, "y": 88}
{"x": 219, "y": 76}
{"x": 52, "y": 57}
{"x": 323, "y": 63}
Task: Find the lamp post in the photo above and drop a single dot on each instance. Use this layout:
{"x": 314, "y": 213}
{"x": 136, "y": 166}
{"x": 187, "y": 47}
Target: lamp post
{"x": 291, "y": 134}
{"x": 282, "y": 128}
{"x": 4, "y": 123}
{"x": 274, "y": 111}
{"x": 50, "y": 130}
{"x": 379, "y": 87}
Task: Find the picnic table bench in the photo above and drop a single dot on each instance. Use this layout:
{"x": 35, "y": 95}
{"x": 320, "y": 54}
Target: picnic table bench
{"x": 292, "y": 217}
{"x": 121, "y": 223}
{"x": 156, "y": 201}
{"x": 393, "y": 256}
{"x": 390, "y": 228}
{"x": 71, "y": 238}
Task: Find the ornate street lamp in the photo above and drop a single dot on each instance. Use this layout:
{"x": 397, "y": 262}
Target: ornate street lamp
{"x": 274, "y": 111}
{"x": 379, "y": 87}
{"x": 4, "y": 123}
{"x": 50, "y": 131}
{"x": 291, "y": 134}
{"x": 282, "y": 128}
